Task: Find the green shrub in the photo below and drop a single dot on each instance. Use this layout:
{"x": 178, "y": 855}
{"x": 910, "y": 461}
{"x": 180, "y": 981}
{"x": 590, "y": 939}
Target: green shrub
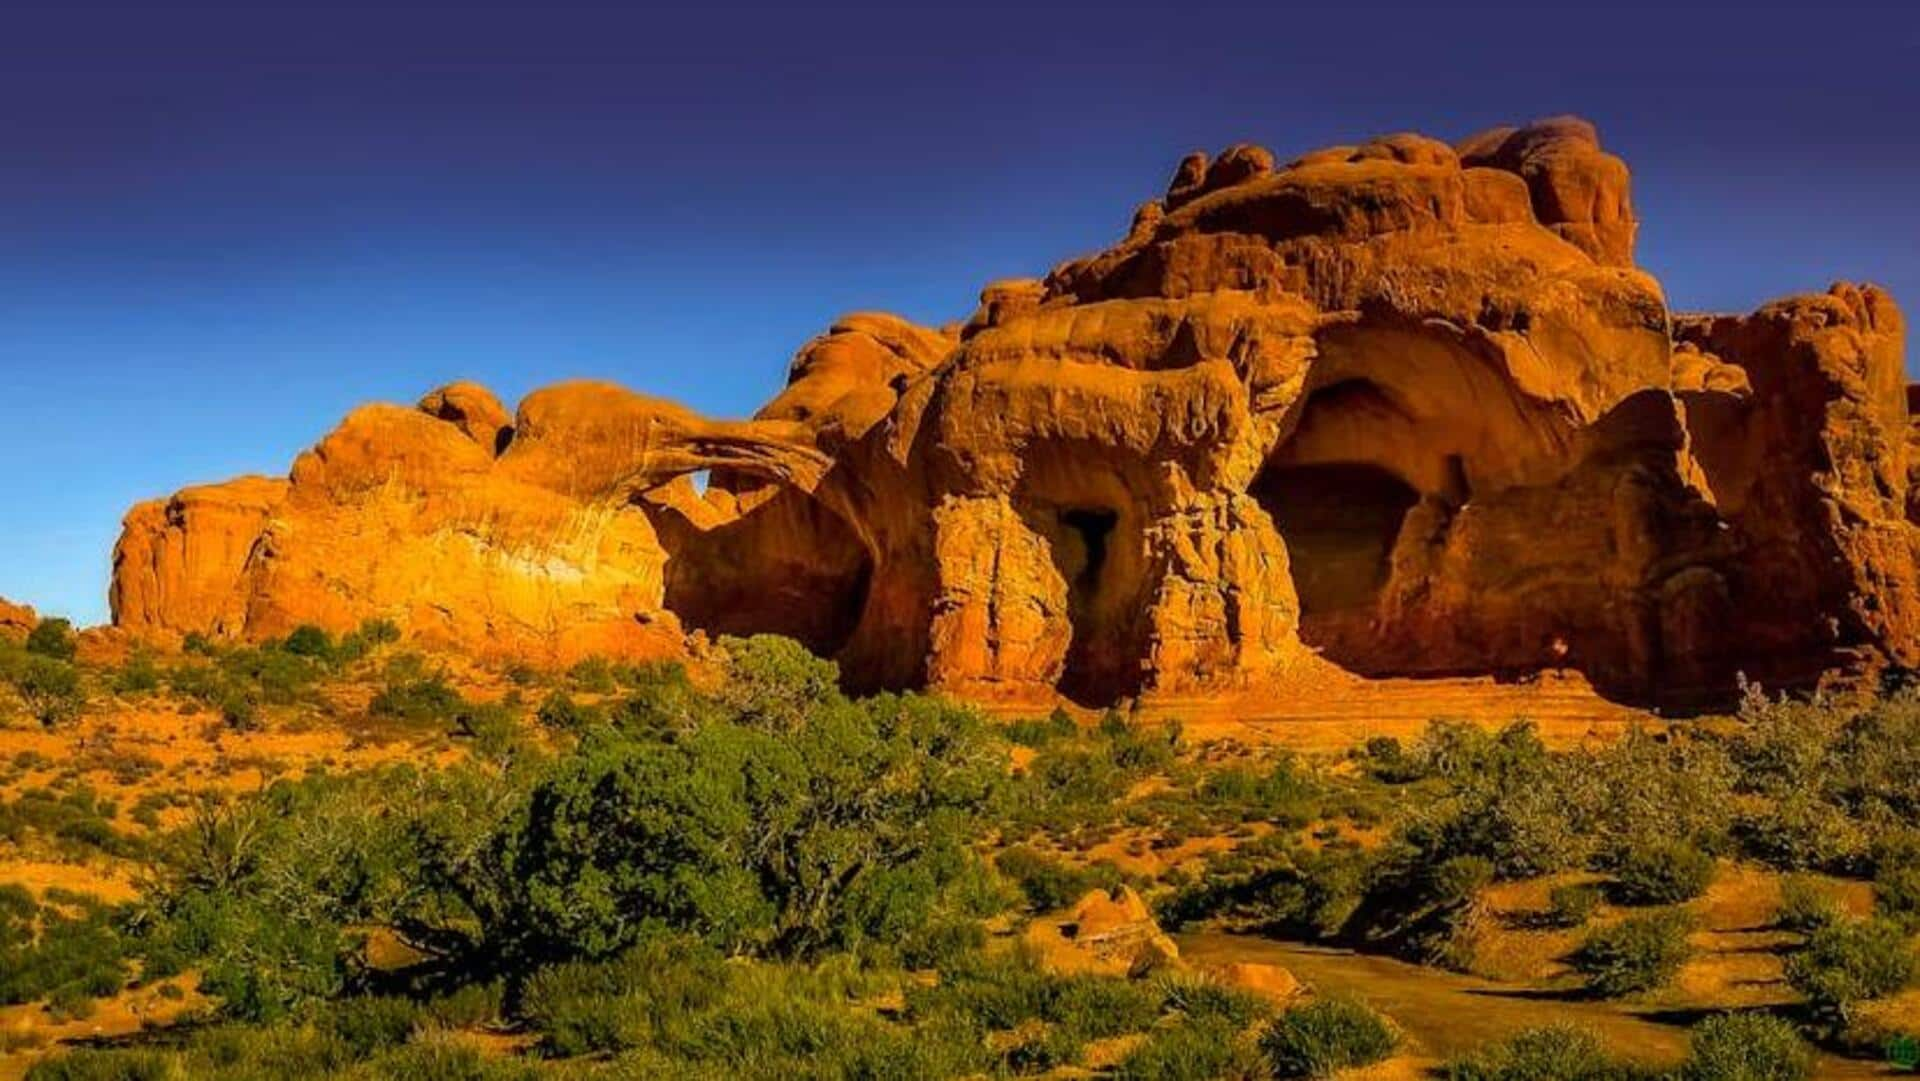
{"x": 1896, "y": 878}
{"x": 1553, "y": 1053}
{"x": 872, "y": 804}
{"x": 50, "y": 688}
{"x": 1051, "y": 884}
{"x": 594, "y": 675}
{"x": 1202, "y": 998}
{"x": 52, "y": 638}
{"x": 416, "y": 701}
{"x": 492, "y": 726}
{"x": 367, "y": 1024}
{"x": 310, "y": 641}
{"x": 562, "y": 714}
{"x": 1207, "y": 1049}
{"x": 138, "y": 676}
{"x": 85, "y": 1064}
{"x": 1806, "y": 904}
{"x": 1316, "y": 1039}
{"x": 1746, "y": 1047}
{"x": 1850, "y": 962}
{"x": 1661, "y": 872}
{"x": 1573, "y": 904}
{"x": 1036, "y": 733}
{"x": 1005, "y": 992}
{"x": 1640, "y": 953}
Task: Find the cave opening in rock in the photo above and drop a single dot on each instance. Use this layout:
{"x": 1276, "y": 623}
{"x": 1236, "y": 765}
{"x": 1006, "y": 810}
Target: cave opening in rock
{"x": 1093, "y": 549}
{"x": 1340, "y": 521}
{"x": 787, "y": 566}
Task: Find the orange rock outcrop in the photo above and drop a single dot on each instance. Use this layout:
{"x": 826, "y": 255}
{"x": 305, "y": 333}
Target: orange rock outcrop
{"x": 1405, "y": 407}
{"x": 16, "y": 620}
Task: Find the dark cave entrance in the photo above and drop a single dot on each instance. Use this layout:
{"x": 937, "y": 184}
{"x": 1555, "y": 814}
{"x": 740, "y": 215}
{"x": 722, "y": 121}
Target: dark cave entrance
{"x": 1340, "y": 521}
{"x": 789, "y": 566}
{"x": 1097, "y": 553}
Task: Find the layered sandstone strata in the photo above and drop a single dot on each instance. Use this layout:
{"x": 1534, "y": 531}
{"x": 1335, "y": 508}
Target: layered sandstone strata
{"x": 1404, "y": 407}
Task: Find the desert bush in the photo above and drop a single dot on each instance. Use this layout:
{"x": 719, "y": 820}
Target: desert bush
{"x": 416, "y": 701}
{"x": 1573, "y": 904}
{"x": 1003, "y": 992}
{"x": 493, "y": 727}
{"x": 1849, "y": 962}
{"x": 1746, "y": 1047}
{"x": 1553, "y": 1053}
{"x": 1640, "y": 953}
{"x": 140, "y": 675}
{"x": 85, "y": 1064}
{"x": 1655, "y": 871}
{"x": 1896, "y": 877}
{"x": 309, "y": 641}
{"x": 871, "y": 803}
{"x": 1806, "y": 904}
{"x": 49, "y": 687}
{"x": 1050, "y": 883}
{"x": 1324, "y": 1036}
{"x": 1282, "y": 793}
{"x": 662, "y": 699}
{"x": 1200, "y": 998}
{"x": 52, "y": 638}
{"x": 1208, "y": 1049}
{"x": 1056, "y": 727}
{"x": 593, "y": 675}
{"x": 560, "y": 713}
{"x": 69, "y": 958}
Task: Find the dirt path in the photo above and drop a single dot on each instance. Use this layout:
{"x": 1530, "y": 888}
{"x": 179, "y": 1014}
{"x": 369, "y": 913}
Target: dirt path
{"x": 1447, "y": 1014}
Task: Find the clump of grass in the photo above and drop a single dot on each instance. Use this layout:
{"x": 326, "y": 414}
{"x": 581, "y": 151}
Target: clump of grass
{"x": 1324, "y": 1036}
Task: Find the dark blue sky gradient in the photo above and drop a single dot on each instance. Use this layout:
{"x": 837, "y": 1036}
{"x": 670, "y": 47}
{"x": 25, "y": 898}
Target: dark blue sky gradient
{"x": 223, "y": 227}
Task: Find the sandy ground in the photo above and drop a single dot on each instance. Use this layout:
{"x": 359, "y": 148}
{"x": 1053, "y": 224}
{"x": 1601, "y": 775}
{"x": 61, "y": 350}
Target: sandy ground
{"x": 1444, "y": 1014}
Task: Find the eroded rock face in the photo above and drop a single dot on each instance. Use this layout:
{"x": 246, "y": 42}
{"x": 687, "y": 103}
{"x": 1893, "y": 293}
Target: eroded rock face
{"x": 1404, "y": 406}
{"x": 16, "y": 620}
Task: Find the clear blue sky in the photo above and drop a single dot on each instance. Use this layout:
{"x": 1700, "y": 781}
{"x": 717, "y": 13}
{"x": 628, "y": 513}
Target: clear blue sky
{"x": 223, "y": 227}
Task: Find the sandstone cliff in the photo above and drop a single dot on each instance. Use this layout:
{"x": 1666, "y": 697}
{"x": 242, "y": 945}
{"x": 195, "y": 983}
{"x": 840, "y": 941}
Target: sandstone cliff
{"x": 1404, "y": 407}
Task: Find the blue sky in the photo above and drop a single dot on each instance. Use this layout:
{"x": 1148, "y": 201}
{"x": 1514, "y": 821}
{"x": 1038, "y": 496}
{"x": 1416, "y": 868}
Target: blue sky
{"x": 221, "y": 227}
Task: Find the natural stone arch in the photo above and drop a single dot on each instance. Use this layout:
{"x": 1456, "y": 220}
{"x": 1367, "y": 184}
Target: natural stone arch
{"x": 1090, "y": 508}
{"x": 763, "y": 559}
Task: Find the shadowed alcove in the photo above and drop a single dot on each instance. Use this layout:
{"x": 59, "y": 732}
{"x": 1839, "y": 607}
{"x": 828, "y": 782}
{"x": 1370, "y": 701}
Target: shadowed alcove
{"x": 786, "y": 565}
{"x": 1076, "y": 500}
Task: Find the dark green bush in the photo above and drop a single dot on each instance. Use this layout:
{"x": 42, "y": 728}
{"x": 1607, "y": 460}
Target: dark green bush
{"x": 1201, "y": 998}
{"x": 1896, "y": 878}
{"x": 52, "y": 638}
{"x": 1553, "y": 1053}
{"x": 1573, "y": 904}
{"x": 1049, "y": 883}
{"x": 1656, "y": 871}
{"x": 1746, "y": 1047}
{"x": 50, "y": 689}
{"x": 1806, "y": 904}
{"x": 1849, "y": 962}
{"x": 1036, "y": 733}
{"x": 1640, "y": 953}
{"x": 1207, "y": 1049}
{"x": 309, "y": 641}
{"x": 138, "y": 676}
{"x": 416, "y": 701}
{"x": 1324, "y": 1036}
{"x": 871, "y": 803}
{"x": 561, "y": 713}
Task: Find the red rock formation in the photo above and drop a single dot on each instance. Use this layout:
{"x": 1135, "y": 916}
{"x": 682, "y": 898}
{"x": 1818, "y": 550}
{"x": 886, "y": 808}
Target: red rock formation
{"x": 1402, "y": 406}
{"x": 16, "y": 620}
